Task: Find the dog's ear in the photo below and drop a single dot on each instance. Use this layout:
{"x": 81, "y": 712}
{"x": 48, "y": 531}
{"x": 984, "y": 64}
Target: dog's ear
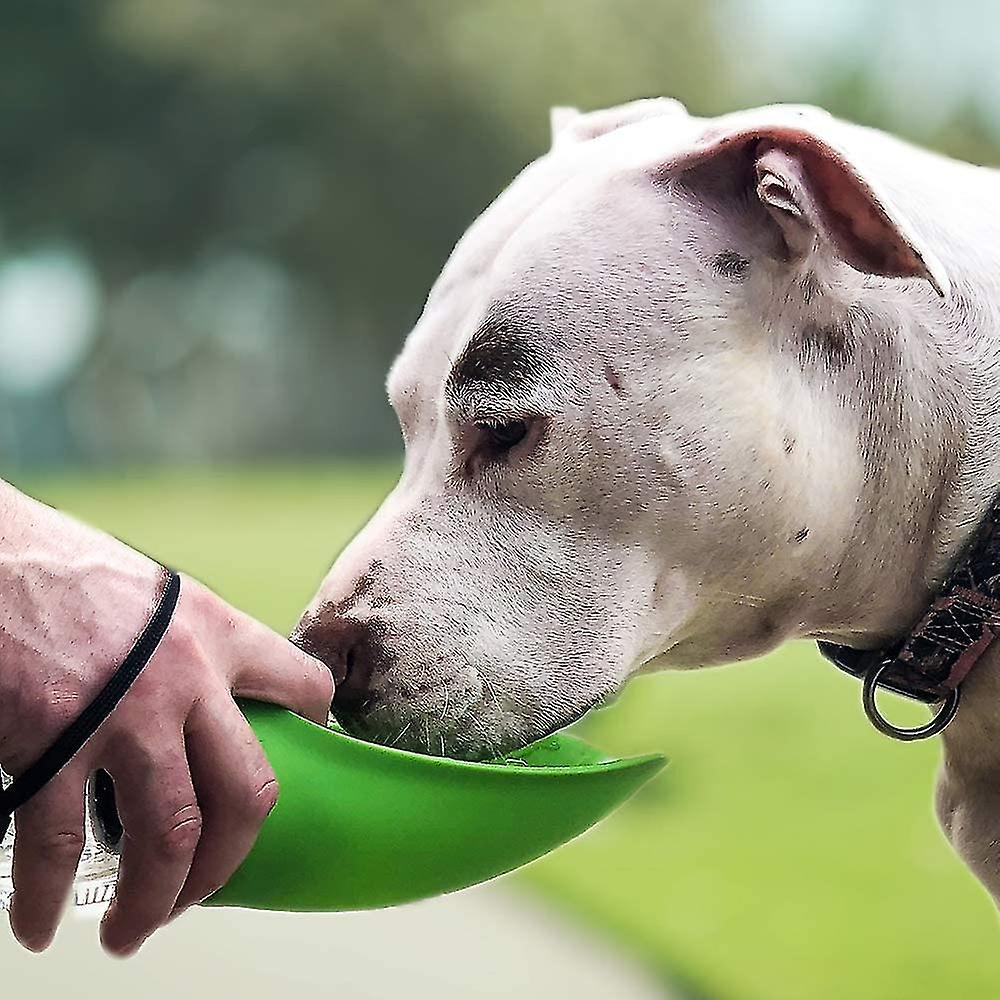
{"x": 560, "y": 120}
{"x": 816, "y": 198}
{"x": 571, "y": 125}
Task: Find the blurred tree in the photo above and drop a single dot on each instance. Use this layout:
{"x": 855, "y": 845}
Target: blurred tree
{"x": 338, "y": 150}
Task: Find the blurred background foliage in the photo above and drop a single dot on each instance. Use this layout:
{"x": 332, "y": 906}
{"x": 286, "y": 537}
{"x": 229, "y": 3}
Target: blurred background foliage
{"x": 218, "y": 221}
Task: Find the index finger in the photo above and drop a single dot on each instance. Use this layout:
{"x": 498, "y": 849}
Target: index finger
{"x": 271, "y": 668}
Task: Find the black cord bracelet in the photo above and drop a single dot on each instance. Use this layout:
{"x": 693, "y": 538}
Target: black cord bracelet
{"x": 72, "y": 739}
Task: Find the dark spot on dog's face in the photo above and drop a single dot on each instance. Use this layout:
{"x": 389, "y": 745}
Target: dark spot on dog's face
{"x": 731, "y": 265}
{"x": 613, "y": 379}
{"x": 370, "y": 587}
{"x": 502, "y": 354}
{"x": 829, "y": 345}
{"x": 492, "y": 357}
{"x": 802, "y": 534}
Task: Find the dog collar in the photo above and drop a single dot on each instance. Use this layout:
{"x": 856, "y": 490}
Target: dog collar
{"x": 931, "y": 662}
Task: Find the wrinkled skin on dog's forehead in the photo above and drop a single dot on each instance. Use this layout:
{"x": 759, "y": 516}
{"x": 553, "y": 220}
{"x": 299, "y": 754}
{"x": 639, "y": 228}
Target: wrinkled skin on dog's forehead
{"x": 611, "y": 312}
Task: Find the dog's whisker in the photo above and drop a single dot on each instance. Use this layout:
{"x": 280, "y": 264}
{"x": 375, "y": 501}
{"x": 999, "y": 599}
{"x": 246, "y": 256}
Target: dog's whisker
{"x": 395, "y": 740}
{"x": 485, "y": 737}
{"x": 485, "y": 681}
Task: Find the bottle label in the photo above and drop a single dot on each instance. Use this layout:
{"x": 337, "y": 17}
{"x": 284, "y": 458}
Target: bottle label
{"x": 96, "y": 875}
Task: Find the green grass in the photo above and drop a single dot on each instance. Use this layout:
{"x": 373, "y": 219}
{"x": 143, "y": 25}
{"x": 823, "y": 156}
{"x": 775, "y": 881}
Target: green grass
{"x": 788, "y": 852}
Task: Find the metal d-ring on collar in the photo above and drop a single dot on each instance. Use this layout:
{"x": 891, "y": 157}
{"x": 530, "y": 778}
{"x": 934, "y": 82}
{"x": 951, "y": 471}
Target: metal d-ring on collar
{"x": 871, "y": 668}
{"x": 930, "y": 664}
{"x": 936, "y": 725}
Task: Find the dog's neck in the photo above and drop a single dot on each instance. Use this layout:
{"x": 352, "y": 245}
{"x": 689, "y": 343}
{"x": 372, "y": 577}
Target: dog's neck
{"x": 972, "y": 740}
{"x": 967, "y": 368}
{"x": 968, "y": 788}
{"x": 951, "y": 435}
{"x": 949, "y": 398}
{"x": 928, "y": 410}
{"x": 970, "y": 364}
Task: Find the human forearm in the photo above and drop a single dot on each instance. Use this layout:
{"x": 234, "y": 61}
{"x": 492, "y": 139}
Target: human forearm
{"x": 58, "y": 577}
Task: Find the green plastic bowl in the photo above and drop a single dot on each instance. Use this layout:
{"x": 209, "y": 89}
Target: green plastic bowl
{"x": 359, "y": 825}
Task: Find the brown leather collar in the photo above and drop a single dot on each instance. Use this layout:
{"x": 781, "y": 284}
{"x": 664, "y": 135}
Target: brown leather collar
{"x": 931, "y": 662}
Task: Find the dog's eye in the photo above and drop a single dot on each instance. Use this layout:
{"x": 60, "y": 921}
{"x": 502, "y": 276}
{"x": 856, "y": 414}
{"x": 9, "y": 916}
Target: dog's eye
{"x": 502, "y": 436}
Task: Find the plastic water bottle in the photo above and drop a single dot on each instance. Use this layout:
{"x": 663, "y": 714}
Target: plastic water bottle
{"x": 97, "y": 873}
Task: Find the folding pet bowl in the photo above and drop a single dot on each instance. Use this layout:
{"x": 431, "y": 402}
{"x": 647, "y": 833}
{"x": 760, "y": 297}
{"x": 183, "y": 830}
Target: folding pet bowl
{"x": 359, "y": 825}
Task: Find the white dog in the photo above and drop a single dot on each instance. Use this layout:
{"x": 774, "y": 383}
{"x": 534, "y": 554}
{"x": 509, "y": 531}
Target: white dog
{"x": 689, "y": 388}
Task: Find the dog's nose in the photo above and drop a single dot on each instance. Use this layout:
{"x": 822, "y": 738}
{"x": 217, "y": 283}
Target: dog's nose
{"x": 348, "y": 648}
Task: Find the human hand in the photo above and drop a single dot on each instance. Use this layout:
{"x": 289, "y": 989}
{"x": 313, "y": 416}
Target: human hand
{"x": 192, "y": 783}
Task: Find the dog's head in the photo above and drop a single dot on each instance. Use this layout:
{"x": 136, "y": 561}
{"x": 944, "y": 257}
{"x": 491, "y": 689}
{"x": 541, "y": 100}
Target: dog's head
{"x": 613, "y": 408}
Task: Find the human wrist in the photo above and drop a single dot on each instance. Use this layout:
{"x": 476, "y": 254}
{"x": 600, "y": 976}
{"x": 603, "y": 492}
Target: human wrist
{"x": 72, "y": 601}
